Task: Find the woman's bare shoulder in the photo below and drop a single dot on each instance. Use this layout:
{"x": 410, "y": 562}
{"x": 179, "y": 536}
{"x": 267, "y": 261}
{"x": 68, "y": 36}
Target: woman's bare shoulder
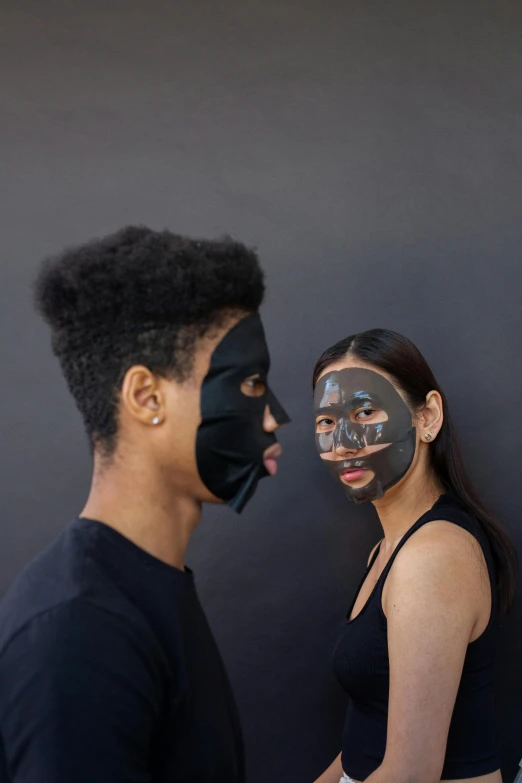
{"x": 441, "y": 553}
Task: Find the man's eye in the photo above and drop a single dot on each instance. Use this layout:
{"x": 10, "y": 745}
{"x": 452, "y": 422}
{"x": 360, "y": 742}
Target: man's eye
{"x": 253, "y": 387}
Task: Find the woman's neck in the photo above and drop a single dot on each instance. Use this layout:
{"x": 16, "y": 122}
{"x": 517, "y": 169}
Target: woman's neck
{"x": 405, "y": 503}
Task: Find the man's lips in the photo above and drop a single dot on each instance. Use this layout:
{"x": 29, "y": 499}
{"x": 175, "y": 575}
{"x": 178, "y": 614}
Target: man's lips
{"x": 270, "y": 458}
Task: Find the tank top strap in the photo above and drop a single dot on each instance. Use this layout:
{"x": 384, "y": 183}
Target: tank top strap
{"x": 374, "y": 556}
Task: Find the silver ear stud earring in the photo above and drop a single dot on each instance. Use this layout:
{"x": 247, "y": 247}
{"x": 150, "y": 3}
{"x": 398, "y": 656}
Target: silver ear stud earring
{"x": 428, "y": 436}
{"x": 155, "y": 420}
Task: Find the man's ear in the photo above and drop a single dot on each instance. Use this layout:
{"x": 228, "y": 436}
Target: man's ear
{"x": 142, "y": 397}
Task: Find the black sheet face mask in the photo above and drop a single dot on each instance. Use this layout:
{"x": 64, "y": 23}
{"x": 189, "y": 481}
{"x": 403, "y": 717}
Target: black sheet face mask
{"x": 231, "y": 441}
{"x": 341, "y": 394}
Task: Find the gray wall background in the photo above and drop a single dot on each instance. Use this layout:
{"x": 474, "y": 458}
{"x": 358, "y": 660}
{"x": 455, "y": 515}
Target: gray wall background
{"x": 371, "y": 150}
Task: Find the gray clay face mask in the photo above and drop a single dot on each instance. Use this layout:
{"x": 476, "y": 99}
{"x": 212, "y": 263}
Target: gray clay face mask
{"x": 344, "y": 398}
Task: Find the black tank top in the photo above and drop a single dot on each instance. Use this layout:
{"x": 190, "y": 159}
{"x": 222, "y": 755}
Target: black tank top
{"x": 362, "y": 667}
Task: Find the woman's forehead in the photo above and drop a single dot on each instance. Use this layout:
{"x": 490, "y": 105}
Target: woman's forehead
{"x": 349, "y": 378}
{"x": 351, "y": 363}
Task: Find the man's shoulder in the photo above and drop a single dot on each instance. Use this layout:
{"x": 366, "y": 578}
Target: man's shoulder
{"x": 63, "y": 582}
{"x": 80, "y": 656}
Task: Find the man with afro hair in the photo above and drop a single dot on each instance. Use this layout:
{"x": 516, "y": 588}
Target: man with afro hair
{"x": 108, "y": 669}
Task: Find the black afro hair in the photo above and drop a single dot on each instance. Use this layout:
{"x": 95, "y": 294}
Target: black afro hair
{"x": 138, "y": 297}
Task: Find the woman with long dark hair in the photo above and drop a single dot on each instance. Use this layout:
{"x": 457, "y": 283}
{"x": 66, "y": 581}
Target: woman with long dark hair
{"x": 416, "y": 651}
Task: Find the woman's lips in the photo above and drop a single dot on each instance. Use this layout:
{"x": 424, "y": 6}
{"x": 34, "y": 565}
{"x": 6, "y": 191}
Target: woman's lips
{"x": 353, "y": 474}
{"x": 270, "y": 458}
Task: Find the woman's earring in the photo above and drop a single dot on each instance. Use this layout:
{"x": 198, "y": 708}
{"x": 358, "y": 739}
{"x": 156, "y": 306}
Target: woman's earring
{"x": 155, "y": 420}
{"x": 428, "y": 436}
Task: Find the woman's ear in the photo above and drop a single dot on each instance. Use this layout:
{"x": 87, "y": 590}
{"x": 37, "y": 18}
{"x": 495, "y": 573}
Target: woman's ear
{"x": 430, "y": 418}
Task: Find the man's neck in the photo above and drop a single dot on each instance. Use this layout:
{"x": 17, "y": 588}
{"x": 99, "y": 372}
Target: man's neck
{"x": 136, "y": 505}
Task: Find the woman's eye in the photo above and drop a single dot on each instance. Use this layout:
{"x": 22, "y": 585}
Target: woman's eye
{"x": 253, "y": 387}
{"x": 324, "y": 423}
{"x": 366, "y": 413}
{"x": 371, "y": 415}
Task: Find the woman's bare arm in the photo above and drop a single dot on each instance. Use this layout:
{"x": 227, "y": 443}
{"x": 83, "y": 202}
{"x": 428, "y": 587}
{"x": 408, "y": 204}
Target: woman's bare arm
{"x": 433, "y": 598}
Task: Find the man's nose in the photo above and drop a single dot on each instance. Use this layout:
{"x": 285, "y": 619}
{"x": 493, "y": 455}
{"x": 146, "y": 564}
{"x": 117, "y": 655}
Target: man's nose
{"x": 269, "y": 422}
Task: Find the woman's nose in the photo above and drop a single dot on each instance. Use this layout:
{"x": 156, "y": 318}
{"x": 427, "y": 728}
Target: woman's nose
{"x": 269, "y": 422}
{"x": 346, "y": 439}
{"x": 343, "y": 451}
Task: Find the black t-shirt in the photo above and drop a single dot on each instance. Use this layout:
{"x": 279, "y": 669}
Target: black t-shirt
{"x": 109, "y": 672}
